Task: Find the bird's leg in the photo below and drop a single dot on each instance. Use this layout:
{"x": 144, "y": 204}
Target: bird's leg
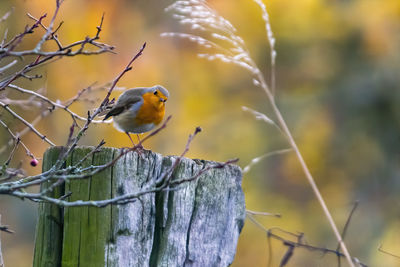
{"x": 130, "y": 138}
{"x": 139, "y": 144}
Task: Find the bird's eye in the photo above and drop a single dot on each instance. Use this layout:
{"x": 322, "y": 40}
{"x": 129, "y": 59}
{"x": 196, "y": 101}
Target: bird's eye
{"x": 155, "y": 92}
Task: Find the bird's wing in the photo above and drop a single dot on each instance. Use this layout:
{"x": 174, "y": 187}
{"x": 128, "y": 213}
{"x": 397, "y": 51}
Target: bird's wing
{"x": 123, "y": 105}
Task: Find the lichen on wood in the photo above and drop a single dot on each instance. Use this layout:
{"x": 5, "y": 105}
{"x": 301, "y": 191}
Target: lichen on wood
{"x": 195, "y": 223}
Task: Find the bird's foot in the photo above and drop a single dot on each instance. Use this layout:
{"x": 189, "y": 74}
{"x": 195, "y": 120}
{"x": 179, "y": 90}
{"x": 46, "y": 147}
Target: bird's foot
{"x": 139, "y": 148}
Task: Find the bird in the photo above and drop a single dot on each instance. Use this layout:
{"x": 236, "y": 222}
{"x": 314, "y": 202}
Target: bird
{"x": 139, "y": 110}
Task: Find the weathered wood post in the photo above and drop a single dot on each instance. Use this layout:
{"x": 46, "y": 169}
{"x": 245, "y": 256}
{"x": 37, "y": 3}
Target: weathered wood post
{"x": 1, "y": 255}
{"x": 196, "y": 224}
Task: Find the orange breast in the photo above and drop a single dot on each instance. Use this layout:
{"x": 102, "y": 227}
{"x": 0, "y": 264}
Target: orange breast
{"x": 152, "y": 110}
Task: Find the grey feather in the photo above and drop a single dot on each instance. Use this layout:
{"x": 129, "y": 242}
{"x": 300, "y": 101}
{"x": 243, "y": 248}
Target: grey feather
{"x": 126, "y": 100}
{"x": 131, "y": 97}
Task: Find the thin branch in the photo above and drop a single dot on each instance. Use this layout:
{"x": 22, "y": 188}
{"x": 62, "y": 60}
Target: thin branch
{"x": 387, "y": 253}
{"x": 95, "y": 150}
{"x": 53, "y": 33}
{"x": 16, "y": 139}
{"x": 52, "y": 103}
{"x": 30, "y": 126}
{"x": 5, "y": 228}
{"x": 299, "y": 243}
{"x": 153, "y": 188}
{"x": 166, "y": 177}
{"x": 71, "y": 144}
{"x": 25, "y": 130}
{"x": 11, "y": 155}
{"x": 42, "y": 56}
{"x": 13, "y": 43}
{"x": 9, "y": 65}
{"x": 64, "y": 174}
{"x": 10, "y": 173}
{"x": 215, "y": 166}
{"x": 156, "y": 186}
{"x": 95, "y": 169}
{"x": 4, "y": 38}
{"x": 116, "y": 80}
{"x": 261, "y": 213}
{"x": 346, "y": 226}
{"x": 49, "y": 29}
{"x": 155, "y": 131}
{"x": 31, "y": 77}
{"x": 45, "y": 113}
{"x": 99, "y": 28}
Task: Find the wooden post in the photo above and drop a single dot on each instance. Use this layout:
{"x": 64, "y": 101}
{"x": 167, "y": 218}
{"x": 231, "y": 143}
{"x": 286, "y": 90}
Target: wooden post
{"x": 1, "y": 255}
{"x": 197, "y": 224}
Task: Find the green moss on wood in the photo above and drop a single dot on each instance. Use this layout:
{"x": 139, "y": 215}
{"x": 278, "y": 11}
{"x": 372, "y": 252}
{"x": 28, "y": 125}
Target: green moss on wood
{"x": 48, "y": 238}
{"x": 198, "y": 224}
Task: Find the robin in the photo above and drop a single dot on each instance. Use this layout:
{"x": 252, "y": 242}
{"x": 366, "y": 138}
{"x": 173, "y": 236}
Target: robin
{"x": 139, "y": 110}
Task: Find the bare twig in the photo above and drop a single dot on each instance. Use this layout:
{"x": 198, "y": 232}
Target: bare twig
{"x": 25, "y": 130}
{"x": 52, "y": 103}
{"x": 59, "y": 173}
{"x": 261, "y": 213}
{"x": 9, "y": 65}
{"x": 7, "y": 49}
{"x": 5, "y": 228}
{"x": 161, "y": 183}
{"x": 32, "y": 128}
{"x": 11, "y": 155}
{"x": 387, "y": 253}
{"x": 53, "y": 34}
{"x": 43, "y": 56}
{"x": 346, "y": 226}
{"x": 49, "y": 29}
{"x": 299, "y": 242}
{"x": 47, "y": 112}
{"x": 37, "y": 99}
{"x": 116, "y": 80}
{"x": 13, "y": 43}
{"x": 16, "y": 139}
{"x": 95, "y": 150}
{"x": 71, "y": 144}
{"x": 196, "y": 176}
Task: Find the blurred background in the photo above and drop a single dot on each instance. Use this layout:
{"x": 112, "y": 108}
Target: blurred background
{"x": 338, "y": 69}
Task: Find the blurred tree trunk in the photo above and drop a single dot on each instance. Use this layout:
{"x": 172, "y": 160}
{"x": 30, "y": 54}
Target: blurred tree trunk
{"x": 196, "y": 224}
